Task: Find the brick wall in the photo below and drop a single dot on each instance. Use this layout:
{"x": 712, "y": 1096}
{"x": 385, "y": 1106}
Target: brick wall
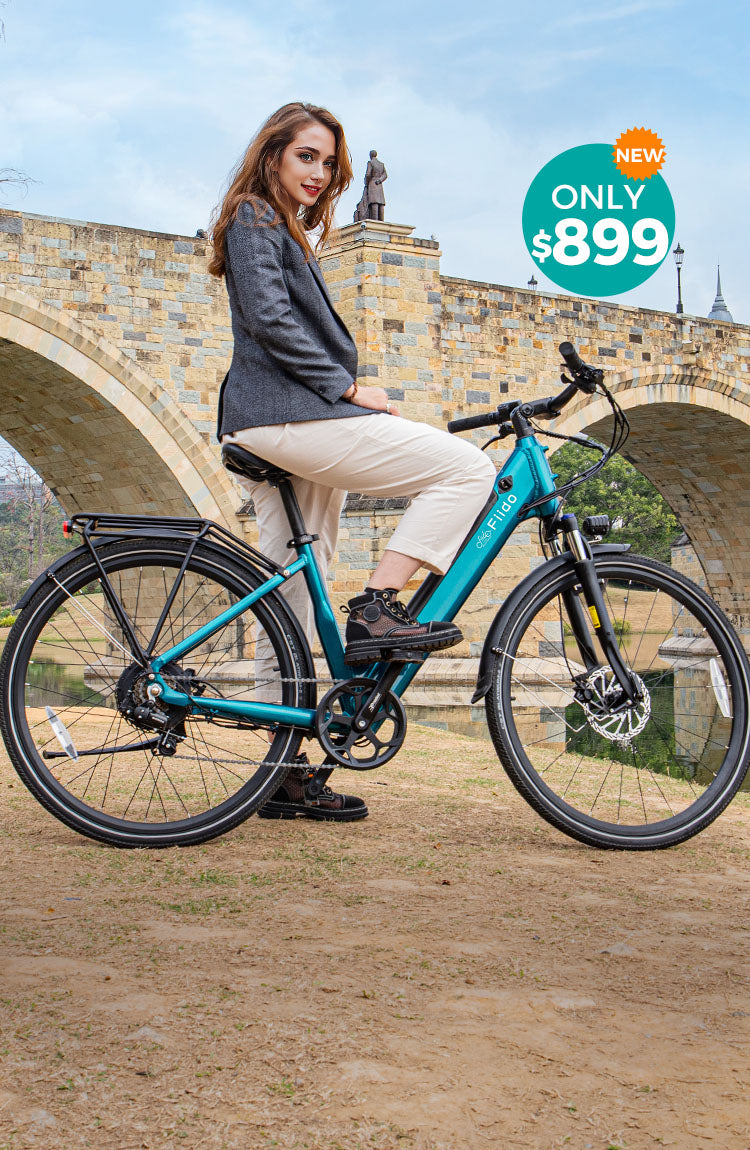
{"x": 442, "y": 346}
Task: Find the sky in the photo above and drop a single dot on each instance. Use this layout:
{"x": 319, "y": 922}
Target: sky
{"x": 134, "y": 113}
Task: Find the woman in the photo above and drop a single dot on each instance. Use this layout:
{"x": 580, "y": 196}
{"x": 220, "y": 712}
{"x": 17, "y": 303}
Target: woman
{"x": 291, "y": 394}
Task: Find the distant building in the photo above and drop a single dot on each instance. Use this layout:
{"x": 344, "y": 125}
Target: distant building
{"x": 720, "y": 309}
{"x": 13, "y": 488}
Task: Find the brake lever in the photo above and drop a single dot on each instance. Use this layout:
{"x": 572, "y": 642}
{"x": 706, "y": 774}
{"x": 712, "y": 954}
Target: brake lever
{"x": 586, "y": 381}
{"x": 503, "y": 431}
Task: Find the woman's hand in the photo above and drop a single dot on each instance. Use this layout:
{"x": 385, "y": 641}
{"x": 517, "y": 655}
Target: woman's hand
{"x": 374, "y": 399}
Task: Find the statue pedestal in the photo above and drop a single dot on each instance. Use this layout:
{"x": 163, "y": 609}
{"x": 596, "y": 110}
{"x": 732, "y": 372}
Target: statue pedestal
{"x": 385, "y": 284}
{"x": 376, "y": 231}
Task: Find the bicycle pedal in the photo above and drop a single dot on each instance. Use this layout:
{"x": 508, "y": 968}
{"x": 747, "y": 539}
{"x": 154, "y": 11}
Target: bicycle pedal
{"x": 315, "y": 782}
{"x": 404, "y": 656}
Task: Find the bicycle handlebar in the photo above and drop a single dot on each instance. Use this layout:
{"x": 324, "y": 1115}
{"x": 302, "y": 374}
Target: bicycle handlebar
{"x": 571, "y": 356}
{"x": 585, "y": 379}
{"x": 471, "y": 421}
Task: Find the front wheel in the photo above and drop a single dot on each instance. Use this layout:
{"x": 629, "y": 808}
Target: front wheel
{"x": 655, "y": 773}
{"x": 77, "y": 718}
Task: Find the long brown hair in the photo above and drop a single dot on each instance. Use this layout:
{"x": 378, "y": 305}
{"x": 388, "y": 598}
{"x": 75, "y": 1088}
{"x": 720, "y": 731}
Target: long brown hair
{"x": 256, "y": 176}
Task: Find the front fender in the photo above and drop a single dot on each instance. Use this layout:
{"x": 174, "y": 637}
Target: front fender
{"x": 551, "y": 567}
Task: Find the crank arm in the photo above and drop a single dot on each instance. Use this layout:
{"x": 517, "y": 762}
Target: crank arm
{"x": 374, "y": 700}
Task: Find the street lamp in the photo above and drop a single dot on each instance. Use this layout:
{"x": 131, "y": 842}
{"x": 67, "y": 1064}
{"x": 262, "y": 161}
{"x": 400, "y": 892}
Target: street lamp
{"x": 678, "y": 253}
{"x": 533, "y": 283}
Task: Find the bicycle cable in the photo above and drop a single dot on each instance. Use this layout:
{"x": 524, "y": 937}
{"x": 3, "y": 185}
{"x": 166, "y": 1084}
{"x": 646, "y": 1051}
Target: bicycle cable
{"x": 620, "y": 433}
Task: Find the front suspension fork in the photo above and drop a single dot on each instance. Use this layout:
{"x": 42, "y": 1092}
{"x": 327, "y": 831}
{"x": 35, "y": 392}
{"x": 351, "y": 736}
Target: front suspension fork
{"x": 596, "y": 609}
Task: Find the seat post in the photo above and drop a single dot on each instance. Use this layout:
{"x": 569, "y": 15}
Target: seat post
{"x": 293, "y": 514}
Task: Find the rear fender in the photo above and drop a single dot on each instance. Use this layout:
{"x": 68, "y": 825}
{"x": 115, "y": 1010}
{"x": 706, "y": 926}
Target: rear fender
{"x": 53, "y": 568}
{"x": 224, "y": 553}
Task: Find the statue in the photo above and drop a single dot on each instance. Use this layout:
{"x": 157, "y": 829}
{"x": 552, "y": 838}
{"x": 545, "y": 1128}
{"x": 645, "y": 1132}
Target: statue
{"x": 372, "y": 204}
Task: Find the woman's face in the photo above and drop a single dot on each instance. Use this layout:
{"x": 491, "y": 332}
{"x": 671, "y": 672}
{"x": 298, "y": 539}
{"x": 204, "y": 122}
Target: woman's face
{"x": 307, "y": 164}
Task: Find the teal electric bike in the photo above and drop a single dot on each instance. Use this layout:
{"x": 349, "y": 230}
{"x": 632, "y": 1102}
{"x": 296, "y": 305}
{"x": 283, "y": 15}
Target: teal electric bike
{"x": 156, "y": 687}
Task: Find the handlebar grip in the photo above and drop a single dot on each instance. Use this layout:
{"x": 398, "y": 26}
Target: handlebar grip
{"x": 488, "y": 419}
{"x": 571, "y": 357}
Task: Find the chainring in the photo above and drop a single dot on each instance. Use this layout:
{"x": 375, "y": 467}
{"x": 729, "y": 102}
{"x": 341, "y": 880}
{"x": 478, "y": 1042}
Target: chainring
{"x": 343, "y": 743}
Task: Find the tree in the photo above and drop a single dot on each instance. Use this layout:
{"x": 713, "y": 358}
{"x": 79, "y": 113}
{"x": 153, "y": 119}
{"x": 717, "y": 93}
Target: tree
{"x": 30, "y": 528}
{"x": 638, "y": 513}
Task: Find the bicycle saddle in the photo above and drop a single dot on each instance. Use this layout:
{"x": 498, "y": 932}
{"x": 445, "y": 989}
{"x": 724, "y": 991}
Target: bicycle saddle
{"x": 243, "y": 462}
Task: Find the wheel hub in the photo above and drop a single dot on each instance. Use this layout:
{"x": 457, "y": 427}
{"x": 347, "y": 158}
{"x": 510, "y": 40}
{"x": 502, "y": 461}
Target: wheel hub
{"x": 138, "y": 699}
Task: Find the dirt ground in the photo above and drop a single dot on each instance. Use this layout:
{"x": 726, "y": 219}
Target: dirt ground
{"x": 451, "y": 972}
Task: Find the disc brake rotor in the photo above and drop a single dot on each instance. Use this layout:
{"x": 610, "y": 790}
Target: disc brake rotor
{"x": 623, "y": 724}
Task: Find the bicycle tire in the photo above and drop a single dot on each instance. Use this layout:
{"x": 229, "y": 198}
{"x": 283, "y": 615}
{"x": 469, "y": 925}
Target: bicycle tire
{"x": 685, "y": 759}
{"x": 67, "y": 655}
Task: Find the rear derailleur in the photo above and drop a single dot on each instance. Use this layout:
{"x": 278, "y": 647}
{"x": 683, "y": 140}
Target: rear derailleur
{"x": 138, "y": 701}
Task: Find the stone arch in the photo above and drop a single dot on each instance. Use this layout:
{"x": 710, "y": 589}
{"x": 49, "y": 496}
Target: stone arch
{"x": 690, "y": 435}
{"x": 100, "y": 432}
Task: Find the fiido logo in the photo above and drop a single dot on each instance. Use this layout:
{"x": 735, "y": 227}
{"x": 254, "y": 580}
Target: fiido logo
{"x": 495, "y": 520}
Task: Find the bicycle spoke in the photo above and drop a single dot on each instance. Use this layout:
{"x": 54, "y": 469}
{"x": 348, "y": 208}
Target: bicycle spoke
{"x": 77, "y": 662}
{"x": 87, "y": 615}
{"x": 572, "y": 777}
{"x": 634, "y": 771}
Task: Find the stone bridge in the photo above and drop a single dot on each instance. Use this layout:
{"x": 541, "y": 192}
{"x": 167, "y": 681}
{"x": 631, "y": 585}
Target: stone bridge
{"x": 113, "y": 342}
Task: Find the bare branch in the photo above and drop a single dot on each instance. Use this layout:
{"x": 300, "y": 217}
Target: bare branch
{"x": 13, "y": 176}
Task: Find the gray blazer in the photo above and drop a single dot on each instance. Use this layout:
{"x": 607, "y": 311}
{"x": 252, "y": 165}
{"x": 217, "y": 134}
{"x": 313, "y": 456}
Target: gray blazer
{"x": 293, "y": 356}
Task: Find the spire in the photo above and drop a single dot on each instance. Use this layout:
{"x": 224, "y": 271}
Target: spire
{"x": 720, "y": 309}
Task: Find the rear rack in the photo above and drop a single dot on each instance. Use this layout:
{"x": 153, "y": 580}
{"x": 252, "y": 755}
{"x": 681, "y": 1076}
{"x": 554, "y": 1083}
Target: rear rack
{"x": 91, "y": 525}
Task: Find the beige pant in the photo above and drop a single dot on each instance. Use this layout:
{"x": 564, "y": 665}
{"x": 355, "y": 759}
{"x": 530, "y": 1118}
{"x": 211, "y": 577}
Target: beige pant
{"x": 447, "y": 479}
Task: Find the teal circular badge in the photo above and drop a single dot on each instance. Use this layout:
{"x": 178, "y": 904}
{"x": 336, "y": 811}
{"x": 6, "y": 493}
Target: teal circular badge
{"x": 592, "y": 230}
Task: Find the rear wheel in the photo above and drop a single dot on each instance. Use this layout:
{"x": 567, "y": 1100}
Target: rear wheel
{"x": 82, "y": 730}
{"x": 639, "y": 778}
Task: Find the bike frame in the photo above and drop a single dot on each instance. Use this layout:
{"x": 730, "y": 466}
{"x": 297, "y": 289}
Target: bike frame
{"x": 525, "y": 478}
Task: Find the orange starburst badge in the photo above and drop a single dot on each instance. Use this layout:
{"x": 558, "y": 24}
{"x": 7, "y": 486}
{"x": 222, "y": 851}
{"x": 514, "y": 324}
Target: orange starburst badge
{"x": 638, "y": 153}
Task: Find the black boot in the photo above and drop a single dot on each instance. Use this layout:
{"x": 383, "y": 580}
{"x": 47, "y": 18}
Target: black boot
{"x": 291, "y": 801}
{"x": 378, "y": 624}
